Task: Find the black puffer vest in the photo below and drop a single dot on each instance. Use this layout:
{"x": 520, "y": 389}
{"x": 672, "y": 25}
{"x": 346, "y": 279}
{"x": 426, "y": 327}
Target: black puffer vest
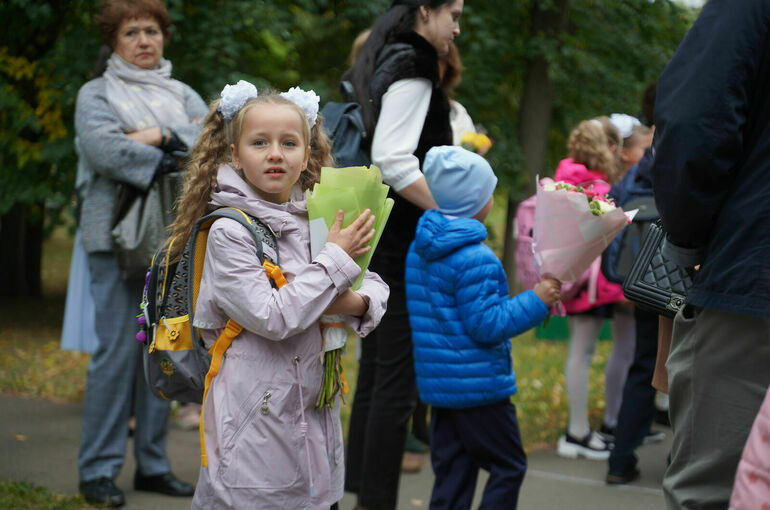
{"x": 409, "y": 56}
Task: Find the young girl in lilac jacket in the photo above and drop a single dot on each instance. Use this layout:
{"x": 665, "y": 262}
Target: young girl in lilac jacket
{"x": 267, "y": 445}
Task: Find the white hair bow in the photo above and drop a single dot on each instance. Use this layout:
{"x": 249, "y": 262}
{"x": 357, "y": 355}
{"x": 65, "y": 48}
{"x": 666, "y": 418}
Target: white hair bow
{"x": 625, "y": 123}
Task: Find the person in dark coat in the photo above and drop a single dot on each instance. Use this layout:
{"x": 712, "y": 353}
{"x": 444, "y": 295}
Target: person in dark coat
{"x": 711, "y": 177}
{"x": 396, "y": 80}
{"x": 637, "y": 410}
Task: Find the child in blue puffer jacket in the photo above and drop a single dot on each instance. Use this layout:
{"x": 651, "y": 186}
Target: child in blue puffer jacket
{"x": 462, "y": 319}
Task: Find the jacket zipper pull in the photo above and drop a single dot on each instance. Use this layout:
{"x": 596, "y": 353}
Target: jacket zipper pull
{"x": 264, "y": 409}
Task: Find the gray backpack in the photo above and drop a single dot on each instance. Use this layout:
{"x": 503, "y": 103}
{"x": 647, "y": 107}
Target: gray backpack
{"x": 177, "y": 365}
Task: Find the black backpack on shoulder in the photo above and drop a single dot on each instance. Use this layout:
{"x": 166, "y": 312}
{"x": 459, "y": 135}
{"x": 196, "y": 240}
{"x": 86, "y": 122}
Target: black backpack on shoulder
{"x": 344, "y": 123}
{"x": 620, "y": 254}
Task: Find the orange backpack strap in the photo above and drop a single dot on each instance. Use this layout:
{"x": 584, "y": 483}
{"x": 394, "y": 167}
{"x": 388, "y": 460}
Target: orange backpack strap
{"x": 217, "y": 351}
{"x": 274, "y": 273}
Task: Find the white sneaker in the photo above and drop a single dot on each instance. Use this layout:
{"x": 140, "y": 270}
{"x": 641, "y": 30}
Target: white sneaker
{"x": 591, "y": 447}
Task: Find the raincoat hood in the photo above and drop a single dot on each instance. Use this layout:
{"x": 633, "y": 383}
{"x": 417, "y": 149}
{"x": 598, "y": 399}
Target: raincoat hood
{"x": 437, "y": 235}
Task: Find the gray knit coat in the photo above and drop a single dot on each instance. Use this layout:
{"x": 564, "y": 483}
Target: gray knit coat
{"x": 109, "y": 157}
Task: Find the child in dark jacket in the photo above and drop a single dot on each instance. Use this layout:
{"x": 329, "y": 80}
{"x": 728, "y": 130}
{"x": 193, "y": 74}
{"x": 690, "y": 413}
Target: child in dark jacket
{"x": 462, "y": 319}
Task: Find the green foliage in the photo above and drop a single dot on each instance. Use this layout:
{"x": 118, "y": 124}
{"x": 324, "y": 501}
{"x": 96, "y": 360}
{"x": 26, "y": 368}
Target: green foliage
{"x": 28, "y": 496}
{"x": 41, "y": 69}
{"x": 610, "y": 51}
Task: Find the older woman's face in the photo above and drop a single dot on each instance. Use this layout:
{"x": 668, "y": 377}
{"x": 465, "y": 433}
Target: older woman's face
{"x": 140, "y": 42}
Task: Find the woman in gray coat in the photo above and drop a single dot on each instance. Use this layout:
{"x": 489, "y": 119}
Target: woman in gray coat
{"x": 128, "y": 122}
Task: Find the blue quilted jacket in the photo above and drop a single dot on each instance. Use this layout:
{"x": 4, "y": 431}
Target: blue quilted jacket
{"x": 461, "y": 315}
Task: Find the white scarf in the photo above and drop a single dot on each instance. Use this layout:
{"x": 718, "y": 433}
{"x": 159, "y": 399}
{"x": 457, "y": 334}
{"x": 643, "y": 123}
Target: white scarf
{"x": 144, "y": 98}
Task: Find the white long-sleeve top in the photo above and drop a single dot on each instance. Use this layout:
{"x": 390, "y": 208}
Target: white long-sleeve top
{"x": 402, "y": 116}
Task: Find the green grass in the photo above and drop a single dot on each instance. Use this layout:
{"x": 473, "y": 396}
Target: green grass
{"x": 26, "y": 496}
{"x": 31, "y": 363}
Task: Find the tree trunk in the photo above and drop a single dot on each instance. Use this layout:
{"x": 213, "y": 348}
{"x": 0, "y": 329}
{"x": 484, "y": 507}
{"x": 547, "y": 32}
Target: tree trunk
{"x": 21, "y": 238}
{"x": 534, "y": 118}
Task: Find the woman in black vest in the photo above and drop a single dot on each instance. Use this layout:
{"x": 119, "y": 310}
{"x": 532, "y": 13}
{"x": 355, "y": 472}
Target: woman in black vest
{"x": 396, "y": 80}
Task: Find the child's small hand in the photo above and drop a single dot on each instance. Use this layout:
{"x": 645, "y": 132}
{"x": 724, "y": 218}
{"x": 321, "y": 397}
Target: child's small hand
{"x": 354, "y": 237}
{"x": 549, "y": 290}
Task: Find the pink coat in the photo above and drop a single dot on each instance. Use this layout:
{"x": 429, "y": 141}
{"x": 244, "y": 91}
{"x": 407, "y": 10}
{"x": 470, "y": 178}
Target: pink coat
{"x": 752, "y": 481}
{"x": 599, "y": 291}
{"x": 268, "y": 445}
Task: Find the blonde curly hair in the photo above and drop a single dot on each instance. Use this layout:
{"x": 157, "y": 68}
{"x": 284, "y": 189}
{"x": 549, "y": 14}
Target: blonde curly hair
{"x": 596, "y": 143}
{"x": 213, "y": 150}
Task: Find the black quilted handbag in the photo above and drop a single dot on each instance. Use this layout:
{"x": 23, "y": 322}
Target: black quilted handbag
{"x": 655, "y": 283}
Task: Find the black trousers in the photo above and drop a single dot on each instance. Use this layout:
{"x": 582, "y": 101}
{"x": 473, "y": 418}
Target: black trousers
{"x": 638, "y": 408}
{"x": 386, "y": 395}
{"x": 462, "y": 441}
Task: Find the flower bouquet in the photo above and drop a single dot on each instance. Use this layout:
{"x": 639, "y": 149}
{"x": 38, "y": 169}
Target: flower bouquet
{"x": 572, "y": 227}
{"x": 352, "y": 189}
{"x": 476, "y": 142}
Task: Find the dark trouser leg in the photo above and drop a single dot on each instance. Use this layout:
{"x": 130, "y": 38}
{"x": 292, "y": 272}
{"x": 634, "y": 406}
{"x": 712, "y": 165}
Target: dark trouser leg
{"x": 379, "y": 419}
{"x": 454, "y": 469}
{"x": 115, "y": 384}
{"x": 718, "y": 377}
{"x": 489, "y": 437}
{"x": 638, "y": 407}
{"x": 359, "y": 414}
{"x": 420, "y": 422}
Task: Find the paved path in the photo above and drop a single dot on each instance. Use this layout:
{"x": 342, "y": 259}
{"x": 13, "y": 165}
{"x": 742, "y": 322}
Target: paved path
{"x": 39, "y": 443}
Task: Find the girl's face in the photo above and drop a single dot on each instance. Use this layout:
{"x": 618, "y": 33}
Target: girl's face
{"x": 632, "y": 154}
{"x": 140, "y": 42}
{"x": 271, "y": 150}
{"x": 441, "y": 25}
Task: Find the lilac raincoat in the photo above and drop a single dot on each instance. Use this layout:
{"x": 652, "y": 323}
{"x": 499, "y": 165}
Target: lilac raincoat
{"x": 267, "y": 444}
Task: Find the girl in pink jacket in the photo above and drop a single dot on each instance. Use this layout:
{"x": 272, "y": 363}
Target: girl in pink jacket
{"x": 267, "y": 444}
{"x": 593, "y": 147}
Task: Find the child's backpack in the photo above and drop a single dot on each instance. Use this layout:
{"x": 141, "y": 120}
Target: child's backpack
{"x": 177, "y": 365}
{"x": 620, "y": 254}
{"x": 344, "y": 123}
{"x": 524, "y": 244}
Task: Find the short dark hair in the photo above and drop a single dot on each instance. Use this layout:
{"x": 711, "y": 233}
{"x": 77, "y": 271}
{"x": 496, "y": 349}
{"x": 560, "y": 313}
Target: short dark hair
{"x": 113, "y": 12}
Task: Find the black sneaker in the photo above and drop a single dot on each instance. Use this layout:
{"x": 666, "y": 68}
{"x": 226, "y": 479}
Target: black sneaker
{"x": 652, "y": 436}
{"x": 623, "y": 478}
{"x": 591, "y": 447}
{"x": 661, "y": 417}
{"x": 102, "y": 491}
{"x": 607, "y": 433}
{"x": 166, "y": 484}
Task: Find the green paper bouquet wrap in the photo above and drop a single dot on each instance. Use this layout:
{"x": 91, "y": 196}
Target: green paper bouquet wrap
{"x": 352, "y": 189}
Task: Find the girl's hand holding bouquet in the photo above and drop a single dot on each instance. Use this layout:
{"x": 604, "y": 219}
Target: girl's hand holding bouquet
{"x": 354, "y": 195}
{"x": 355, "y": 238}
